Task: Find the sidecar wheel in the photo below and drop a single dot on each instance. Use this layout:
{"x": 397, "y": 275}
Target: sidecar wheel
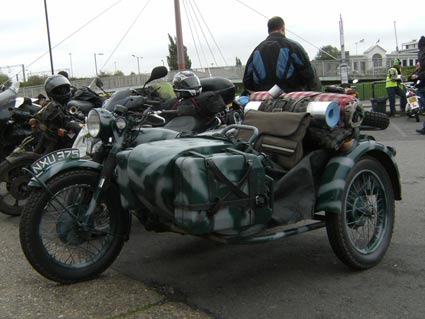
{"x": 361, "y": 233}
{"x": 54, "y": 240}
{"x": 13, "y": 186}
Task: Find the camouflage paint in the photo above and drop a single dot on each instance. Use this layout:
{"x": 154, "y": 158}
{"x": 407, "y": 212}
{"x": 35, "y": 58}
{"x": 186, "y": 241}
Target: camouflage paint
{"x": 334, "y": 178}
{"x": 149, "y": 134}
{"x": 150, "y": 173}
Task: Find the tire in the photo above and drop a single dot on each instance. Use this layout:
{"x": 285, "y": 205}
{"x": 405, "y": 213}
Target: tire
{"x": 55, "y": 245}
{"x": 417, "y": 117}
{"x": 375, "y": 120}
{"x": 361, "y": 233}
{"x": 14, "y": 190}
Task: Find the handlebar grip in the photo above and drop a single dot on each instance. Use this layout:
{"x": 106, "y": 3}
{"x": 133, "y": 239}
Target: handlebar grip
{"x": 153, "y": 102}
{"x": 169, "y": 112}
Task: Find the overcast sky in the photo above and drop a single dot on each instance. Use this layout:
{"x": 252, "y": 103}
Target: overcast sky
{"x": 227, "y": 28}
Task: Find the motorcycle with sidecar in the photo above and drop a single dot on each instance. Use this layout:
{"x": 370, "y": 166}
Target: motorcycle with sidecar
{"x": 248, "y": 183}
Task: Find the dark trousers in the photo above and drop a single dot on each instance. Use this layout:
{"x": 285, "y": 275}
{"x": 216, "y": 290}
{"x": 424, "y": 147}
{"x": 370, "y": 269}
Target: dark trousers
{"x": 392, "y": 92}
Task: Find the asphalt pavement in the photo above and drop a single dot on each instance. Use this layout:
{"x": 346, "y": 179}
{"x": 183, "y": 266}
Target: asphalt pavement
{"x": 24, "y": 294}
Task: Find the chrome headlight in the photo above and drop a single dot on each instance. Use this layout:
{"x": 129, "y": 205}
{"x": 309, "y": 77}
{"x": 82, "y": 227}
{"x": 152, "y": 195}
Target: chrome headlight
{"x": 99, "y": 123}
{"x": 93, "y": 123}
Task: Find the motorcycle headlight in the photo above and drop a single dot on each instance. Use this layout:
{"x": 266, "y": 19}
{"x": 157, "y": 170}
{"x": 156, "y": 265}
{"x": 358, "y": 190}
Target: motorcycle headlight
{"x": 93, "y": 123}
{"x": 99, "y": 123}
{"x": 121, "y": 123}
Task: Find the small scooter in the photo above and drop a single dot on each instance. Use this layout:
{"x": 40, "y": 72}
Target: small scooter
{"x": 414, "y": 105}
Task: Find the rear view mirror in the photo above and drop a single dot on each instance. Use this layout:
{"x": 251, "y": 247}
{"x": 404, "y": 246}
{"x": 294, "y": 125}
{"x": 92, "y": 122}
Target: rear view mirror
{"x": 157, "y": 73}
{"x": 99, "y": 83}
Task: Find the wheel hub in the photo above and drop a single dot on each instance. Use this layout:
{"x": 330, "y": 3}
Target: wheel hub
{"x": 18, "y": 187}
{"x": 70, "y": 231}
{"x": 362, "y": 211}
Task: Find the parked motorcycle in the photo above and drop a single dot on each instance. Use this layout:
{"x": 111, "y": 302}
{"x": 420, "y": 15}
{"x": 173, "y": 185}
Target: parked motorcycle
{"x": 251, "y": 186}
{"x": 14, "y": 115}
{"x": 179, "y": 115}
{"x": 14, "y": 180}
{"x": 414, "y": 105}
{"x": 84, "y": 99}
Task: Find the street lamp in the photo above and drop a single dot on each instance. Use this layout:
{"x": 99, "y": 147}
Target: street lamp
{"x": 70, "y": 62}
{"x": 138, "y": 64}
{"x": 95, "y": 62}
{"x": 48, "y": 37}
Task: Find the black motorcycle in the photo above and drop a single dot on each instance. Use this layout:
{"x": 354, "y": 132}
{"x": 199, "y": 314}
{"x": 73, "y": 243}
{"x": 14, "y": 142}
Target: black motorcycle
{"x": 14, "y": 115}
{"x": 14, "y": 180}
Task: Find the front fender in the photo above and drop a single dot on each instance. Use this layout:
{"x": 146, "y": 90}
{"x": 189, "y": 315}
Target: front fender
{"x": 336, "y": 172}
{"x": 61, "y": 167}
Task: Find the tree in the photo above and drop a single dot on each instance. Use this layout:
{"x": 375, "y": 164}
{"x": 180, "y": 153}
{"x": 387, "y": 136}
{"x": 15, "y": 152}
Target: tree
{"x": 172, "y": 57}
{"x": 119, "y": 73}
{"x": 328, "y": 52}
{"x": 238, "y": 62}
{"x": 3, "y": 79}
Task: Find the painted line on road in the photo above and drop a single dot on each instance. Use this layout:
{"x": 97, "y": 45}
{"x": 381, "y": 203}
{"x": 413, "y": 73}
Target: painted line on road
{"x": 398, "y": 129}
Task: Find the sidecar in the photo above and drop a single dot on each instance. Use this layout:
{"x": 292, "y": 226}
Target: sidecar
{"x": 265, "y": 181}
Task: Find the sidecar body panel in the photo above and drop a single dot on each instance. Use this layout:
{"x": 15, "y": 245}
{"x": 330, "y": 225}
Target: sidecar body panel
{"x": 146, "y": 135}
{"x": 146, "y": 173}
{"x": 334, "y": 178}
{"x": 203, "y": 185}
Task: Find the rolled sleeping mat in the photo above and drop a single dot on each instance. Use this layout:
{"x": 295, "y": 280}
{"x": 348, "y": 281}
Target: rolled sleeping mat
{"x": 324, "y": 113}
{"x": 252, "y": 105}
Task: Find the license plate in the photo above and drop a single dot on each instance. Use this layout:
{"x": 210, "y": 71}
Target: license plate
{"x": 412, "y": 99}
{"x": 54, "y": 157}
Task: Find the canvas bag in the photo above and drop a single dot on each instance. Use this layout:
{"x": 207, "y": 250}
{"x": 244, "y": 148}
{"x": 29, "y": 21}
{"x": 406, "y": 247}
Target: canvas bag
{"x": 280, "y": 135}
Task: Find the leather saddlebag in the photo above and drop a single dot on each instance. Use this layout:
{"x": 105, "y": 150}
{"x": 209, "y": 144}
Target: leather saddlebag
{"x": 280, "y": 135}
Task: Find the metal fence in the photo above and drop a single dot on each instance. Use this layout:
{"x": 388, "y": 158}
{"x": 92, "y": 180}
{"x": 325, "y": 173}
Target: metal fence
{"x": 328, "y": 72}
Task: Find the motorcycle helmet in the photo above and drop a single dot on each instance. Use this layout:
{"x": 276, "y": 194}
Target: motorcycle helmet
{"x": 397, "y": 62}
{"x": 58, "y": 88}
{"x": 186, "y": 84}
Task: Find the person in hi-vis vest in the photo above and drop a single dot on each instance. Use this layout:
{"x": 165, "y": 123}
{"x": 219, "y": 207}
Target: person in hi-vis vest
{"x": 394, "y": 87}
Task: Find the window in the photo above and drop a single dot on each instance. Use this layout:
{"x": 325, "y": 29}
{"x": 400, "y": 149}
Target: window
{"x": 377, "y": 60}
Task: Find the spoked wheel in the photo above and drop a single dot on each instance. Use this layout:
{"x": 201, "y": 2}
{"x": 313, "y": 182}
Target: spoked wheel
{"x": 361, "y": 233}
{"x": 56, "y": 238}
{"x": 13, "y": 186}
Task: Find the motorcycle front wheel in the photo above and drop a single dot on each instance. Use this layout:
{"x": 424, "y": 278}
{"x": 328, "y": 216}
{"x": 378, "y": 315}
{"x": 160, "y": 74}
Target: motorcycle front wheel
{"x": 57, "y": 242}
{"x": 361, "y": 233}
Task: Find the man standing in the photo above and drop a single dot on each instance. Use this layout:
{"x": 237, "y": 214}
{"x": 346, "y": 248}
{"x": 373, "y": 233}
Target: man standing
{"x": 393, "y": 86}
{"x": 279, "y": 60}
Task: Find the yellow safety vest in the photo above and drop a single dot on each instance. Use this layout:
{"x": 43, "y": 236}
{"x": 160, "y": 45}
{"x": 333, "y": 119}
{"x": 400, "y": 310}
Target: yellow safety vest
{"x": 391, "y": 82}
